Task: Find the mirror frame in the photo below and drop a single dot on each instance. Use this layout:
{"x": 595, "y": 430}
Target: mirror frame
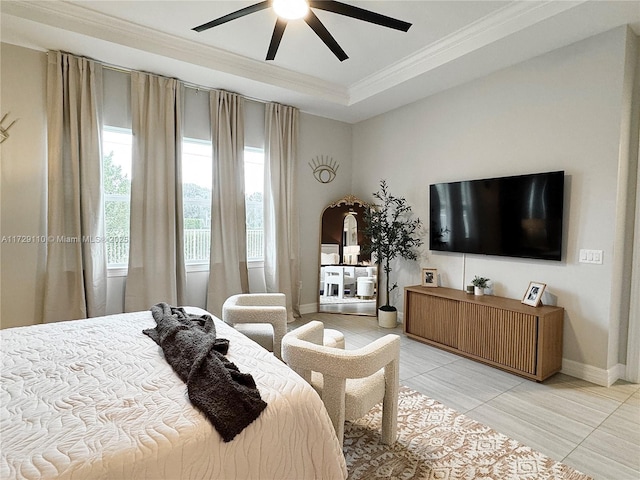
{"x": 331, "y": 232}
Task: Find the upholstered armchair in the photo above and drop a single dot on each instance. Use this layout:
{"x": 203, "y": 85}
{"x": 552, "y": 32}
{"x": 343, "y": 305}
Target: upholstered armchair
{"x": 350, "y": 382}
{"x": 260, "y": 316}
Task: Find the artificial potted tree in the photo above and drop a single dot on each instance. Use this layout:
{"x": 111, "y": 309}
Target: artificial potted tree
{"x": 392, "y": 233}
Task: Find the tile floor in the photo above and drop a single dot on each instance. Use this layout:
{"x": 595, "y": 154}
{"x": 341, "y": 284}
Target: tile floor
{"x": 591, "y": 428}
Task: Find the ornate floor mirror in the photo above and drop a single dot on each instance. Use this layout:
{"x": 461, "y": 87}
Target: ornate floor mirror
{"x": 348, "y": 279}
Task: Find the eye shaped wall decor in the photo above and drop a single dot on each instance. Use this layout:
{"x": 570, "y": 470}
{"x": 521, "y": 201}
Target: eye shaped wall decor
{"x": 324, "y": 168}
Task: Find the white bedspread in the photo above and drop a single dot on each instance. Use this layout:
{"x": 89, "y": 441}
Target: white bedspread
{"x": 95, "y": 399}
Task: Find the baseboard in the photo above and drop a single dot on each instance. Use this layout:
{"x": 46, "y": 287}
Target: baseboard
{"x": 592, "y": 374}
{"x": 308, "y": 308}
{"x": 313, "y": 308}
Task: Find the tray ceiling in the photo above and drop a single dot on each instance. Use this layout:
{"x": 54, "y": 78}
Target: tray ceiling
{"x": 450, "y": 42}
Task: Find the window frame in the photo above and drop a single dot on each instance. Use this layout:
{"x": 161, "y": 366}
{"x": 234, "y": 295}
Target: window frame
{"x": 121, "y": 270}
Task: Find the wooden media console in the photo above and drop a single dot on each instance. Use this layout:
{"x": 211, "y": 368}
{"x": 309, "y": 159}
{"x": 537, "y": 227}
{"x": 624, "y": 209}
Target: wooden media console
{"x": 498, "y": 331}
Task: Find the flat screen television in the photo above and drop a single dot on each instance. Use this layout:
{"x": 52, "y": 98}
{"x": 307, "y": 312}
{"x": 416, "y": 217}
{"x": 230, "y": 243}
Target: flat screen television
{"x": 518, "y": 216}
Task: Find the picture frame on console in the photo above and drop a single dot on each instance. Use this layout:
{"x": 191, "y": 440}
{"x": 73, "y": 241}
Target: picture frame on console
{"x": 533, "y": 295}
{"x": 429, "y": 277}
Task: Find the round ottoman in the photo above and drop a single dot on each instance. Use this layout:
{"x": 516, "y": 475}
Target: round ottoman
{"x": 366, "y": 287}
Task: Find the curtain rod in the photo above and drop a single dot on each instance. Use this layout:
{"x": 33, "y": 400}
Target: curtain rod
{"x": 193, "y": 86}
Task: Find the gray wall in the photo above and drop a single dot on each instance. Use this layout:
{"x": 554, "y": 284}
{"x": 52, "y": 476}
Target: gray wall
{"x": 559, "y": 111}
{"x": 23, "y": 187}
{"x": 318, "y": 136}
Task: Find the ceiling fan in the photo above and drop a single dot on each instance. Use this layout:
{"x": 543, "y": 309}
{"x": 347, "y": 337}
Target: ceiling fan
{"x": 295, "y": 9}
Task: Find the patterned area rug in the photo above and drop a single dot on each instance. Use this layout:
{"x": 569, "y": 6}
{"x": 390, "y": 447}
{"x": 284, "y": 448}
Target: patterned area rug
{"x": 436, "y": 442}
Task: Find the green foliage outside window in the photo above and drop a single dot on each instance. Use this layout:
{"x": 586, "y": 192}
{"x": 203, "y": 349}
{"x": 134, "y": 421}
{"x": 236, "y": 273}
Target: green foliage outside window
{"x": 116, "y": 211}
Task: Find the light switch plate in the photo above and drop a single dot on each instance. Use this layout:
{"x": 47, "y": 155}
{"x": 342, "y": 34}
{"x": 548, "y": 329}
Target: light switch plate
{"x": 591, "y": 256}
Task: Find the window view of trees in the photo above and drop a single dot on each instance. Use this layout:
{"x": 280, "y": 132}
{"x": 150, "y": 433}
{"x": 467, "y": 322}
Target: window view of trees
{"x": 196, "y": 200}
{"x": 117, "y": 190}
{"x": 255, "y": 226}
{"x": 197, "y": 206}
{"x": 116, "y": 169}
{"x": 196, "y": 189}
{"x": 253, "y": 188}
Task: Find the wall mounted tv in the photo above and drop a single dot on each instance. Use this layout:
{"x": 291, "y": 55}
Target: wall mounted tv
{"x": 519, "y": 216}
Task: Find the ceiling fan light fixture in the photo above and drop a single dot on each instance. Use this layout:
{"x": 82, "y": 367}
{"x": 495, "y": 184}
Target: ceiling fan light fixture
{"x": 297, "y": 9}
{"x": 291, "y": 9}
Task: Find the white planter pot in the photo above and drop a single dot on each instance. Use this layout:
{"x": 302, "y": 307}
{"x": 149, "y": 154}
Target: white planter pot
{"x": 387, "y": 319}
{"x": 478, "y": 291}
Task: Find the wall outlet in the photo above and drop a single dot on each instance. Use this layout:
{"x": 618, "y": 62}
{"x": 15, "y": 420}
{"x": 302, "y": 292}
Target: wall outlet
{"x": 591, "y": 256}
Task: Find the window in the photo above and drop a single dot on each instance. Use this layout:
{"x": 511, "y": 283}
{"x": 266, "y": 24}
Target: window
{"x": 116, "y": 146}
{"x": 197, "y": 181}
{"x": 196, "y": 189}
{"x": 253, "y": 190}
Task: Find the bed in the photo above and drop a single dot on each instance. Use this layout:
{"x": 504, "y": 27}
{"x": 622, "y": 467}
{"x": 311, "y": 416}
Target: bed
{"x": 95, "y": 398}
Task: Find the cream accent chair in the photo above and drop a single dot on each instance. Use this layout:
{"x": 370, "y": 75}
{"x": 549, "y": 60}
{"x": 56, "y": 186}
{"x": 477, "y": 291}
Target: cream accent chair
{"x": 263, "y": 318}
{"x": 260, "y": 316}
{"x": 350, "y": 382}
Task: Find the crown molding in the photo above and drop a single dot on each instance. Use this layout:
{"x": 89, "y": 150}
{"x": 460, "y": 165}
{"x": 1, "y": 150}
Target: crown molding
{"x": 499, "y": 25}
{"x": 81, "y": 20}
{"x": 512, "y": 18}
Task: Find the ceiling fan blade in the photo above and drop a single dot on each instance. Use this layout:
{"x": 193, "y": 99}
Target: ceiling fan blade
{"x": 278, "y": 31}
{"x": 317, "y": 26}
{"x": 232, "y": 16}
{"x": 360, "y": 14}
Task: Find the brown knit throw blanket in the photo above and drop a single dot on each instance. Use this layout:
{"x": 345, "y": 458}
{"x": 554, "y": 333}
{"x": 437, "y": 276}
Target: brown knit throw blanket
{"x": 227, "y": 397}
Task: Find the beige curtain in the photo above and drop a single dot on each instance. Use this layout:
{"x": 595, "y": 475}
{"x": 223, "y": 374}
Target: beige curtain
{"x": 76, "y": 275}
{"x": 228, "y": 273}
{"x": 156, "y": 252}
{"x": 281, "y": 253}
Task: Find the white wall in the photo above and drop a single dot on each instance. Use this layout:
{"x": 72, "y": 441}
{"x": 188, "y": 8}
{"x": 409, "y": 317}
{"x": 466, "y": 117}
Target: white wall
{"x": 559, "y": 111}
{"x": 23, "y": 190}
{"x": 318, "y": 136}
